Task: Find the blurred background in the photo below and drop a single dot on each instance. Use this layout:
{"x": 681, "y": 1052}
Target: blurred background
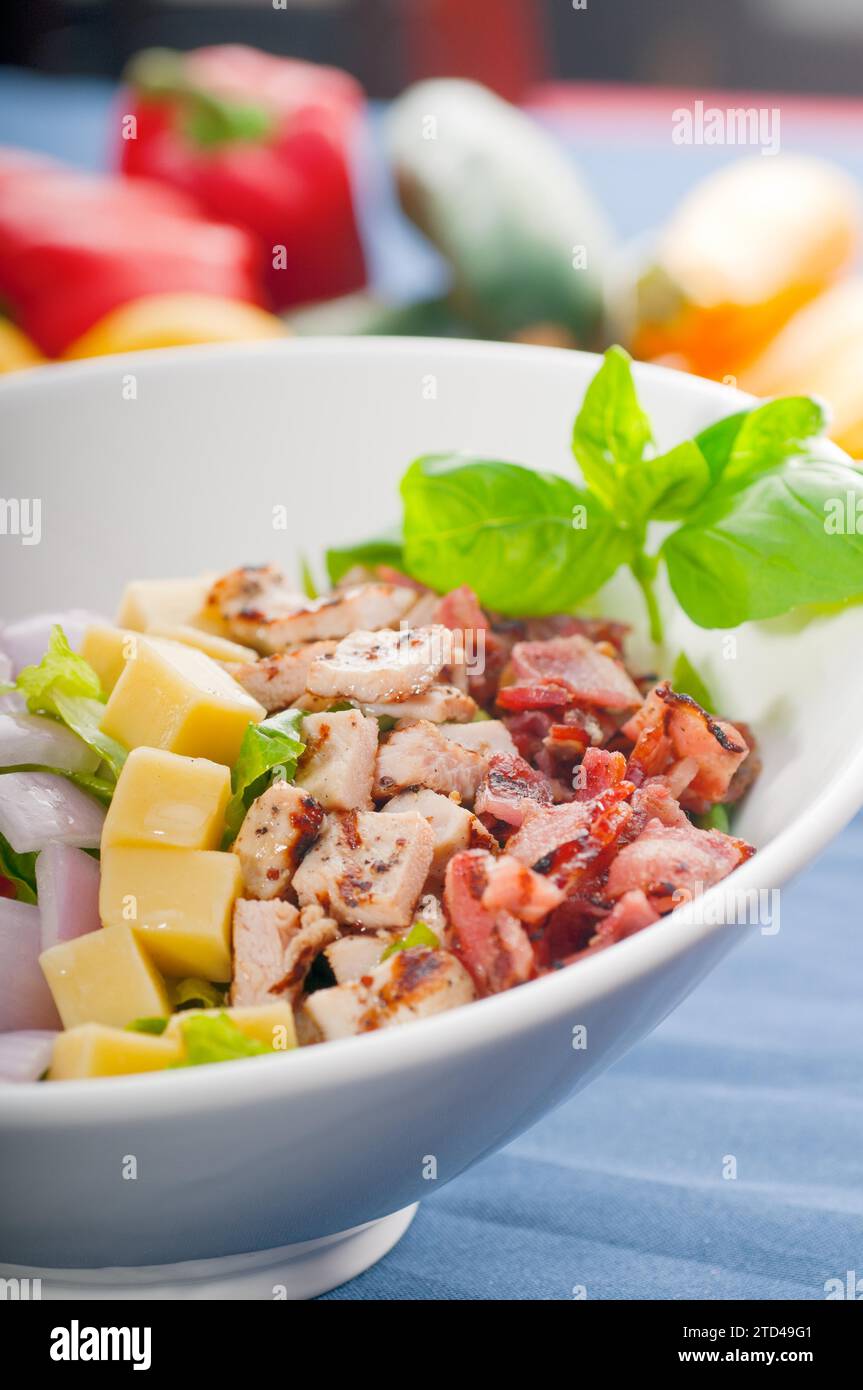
{"x": 683, "y": 177}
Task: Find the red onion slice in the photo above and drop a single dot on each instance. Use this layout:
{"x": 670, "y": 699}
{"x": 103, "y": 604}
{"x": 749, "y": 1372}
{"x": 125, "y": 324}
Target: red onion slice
{"x": 26, "y": 642}
{"x": 37, "y": 808}
{"x": 67, "y": 883}
{"x": 25, "y": 999}
{"x": 25, "y": 1055}
{"x": 29, "y": 738}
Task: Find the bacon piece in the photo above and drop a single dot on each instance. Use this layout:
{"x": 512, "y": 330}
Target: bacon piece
{"x": 493, "y": 946}
{"x": 551, "y": 695}
{"x": 672, "y": 864}
{"x": 630, "y": 914}
{"x": 509, "y": 788}
{"x": 513, "y": 887}
{"x": 600, "y": 770}
{"x": 591, "y": 671}
{"x": 654, "y": 801}
{"x": 528, "y": 730}
{"x": 545, "y": 829}
{"x": 566, "y": 625}
{"x": 671, "y": 727}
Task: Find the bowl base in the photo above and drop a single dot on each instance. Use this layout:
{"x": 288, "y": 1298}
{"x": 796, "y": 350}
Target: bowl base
{"x": 291, "y": 1272}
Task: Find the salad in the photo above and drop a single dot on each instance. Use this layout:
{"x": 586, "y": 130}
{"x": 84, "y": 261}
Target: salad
{"x": 247, "y": 816}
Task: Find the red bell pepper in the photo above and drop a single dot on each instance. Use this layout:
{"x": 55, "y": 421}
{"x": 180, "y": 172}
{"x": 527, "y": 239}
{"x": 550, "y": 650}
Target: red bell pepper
{"x": 263, "y": 142}
{"x": 73, "y": 246}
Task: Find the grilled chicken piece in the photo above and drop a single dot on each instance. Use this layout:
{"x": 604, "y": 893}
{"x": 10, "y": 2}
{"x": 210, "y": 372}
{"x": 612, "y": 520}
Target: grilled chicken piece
{"x": 485, "y": 736}
{"x": 378, "y": 667}
{"x": 368, "y": 868}
{"x": 262, "y": 934}
{"x": 437, "y": 704}
{"x": 338, "y": 765}
{"x": 453, "y": 828}
{"x": 353, "y": 956}
{"x": 316, "y": 932}
{"x": 274, "y": 949}
{"x": 261, "y": 608}
{"x": 278, "y": 829}
{"x": 277, "y": 681}
{"x": 419, "y": 755}
{"x": 410, "y": 985}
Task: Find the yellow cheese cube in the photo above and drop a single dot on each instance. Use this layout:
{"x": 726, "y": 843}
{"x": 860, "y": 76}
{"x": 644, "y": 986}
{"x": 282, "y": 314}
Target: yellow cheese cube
{"x": 91, "y": 1049}
{"x": 179, "y": 902}
{"x": 147, "y": 601}
{"x": 104, "y": 977}
{"x": 164, "y": 799}
{"x": 219, "y": 648}
{"x": 107, "y": 649}
{"x": 177, "y": 698}
{"x": 272, "y": 1025}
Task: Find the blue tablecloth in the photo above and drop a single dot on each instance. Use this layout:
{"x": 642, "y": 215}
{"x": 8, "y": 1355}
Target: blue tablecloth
{"x": 622, "y": 1192}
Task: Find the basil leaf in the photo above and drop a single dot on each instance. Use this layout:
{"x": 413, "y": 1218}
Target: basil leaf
{"x": 717, "y": 441}
{"x": 525, "y": 542}
{"x": 685, "y": 680}
{"x": 381, "y": 550}
{"x": 667, "y": 487}
{"x": 270, "y": 749}
{"x": 772, "y": 434}
{"x": 760, "y": 551}
{"x": 19, "y": 870}
{"x": 752, "y": 441}
{"x": 611, "y": 431}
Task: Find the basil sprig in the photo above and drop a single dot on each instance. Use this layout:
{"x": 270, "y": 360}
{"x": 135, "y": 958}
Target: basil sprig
{"x": 749, "y": 506}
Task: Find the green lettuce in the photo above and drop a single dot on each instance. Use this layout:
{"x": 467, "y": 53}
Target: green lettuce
{"x": 269, "y": 751}
{"x": 19, "y": 870}
{"x": 65, "y": 687}
{"x": 218, "y": 1039}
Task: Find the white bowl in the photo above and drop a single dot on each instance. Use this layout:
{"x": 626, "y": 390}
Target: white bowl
{"x": 172, "y": 463}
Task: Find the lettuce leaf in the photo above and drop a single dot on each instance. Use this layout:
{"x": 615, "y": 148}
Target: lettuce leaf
{"x": 194, "y": 993}
{"x": 64, "y": 686}
{"x": 216, "y": 1039}
{"x": 269, "y": 750}
{"x": 419, "y": 935}
{"x": 19, "y": 870}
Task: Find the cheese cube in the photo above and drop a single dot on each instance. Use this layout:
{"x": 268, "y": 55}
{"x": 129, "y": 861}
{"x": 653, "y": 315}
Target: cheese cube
{"x": 107, "y": 650}
{"x": 147, "y": 601}
{"x": 272, "y": 1025}
{"x": 91, "y": 1050}
{"x": 104, "y": 977}
{"x": 165, "y": 799}
{"x": 179, "y": 902}
{"x": 177, "y": 698}
{"x": 219, "y": 648}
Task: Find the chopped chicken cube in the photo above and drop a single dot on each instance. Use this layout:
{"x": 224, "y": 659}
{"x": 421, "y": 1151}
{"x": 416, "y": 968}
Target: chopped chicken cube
{"x": 353, "y": 956}
{"x": 316, "y": 932}
{"x": 374, "y": 667}
{"x": 486, "y": 736}
{"x": 338, "y": 765}
{"x": 262, "y": 609}
{"x": 453, "y": 827}
{"x": 419, "y": 755}
{"x": 368, "y": 868}
{"x": 437, "y": 704}
{"x": 409, "y": 985}
{"x": 262, "y": 933}
{"x": 277, "y": 681}
{"x": 279, "y": 827}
